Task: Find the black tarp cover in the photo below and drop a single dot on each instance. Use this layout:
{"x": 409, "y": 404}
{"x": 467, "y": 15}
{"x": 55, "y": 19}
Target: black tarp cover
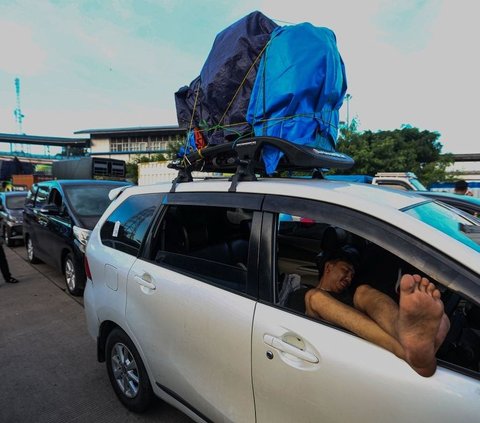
{"x": 220, "y": 96}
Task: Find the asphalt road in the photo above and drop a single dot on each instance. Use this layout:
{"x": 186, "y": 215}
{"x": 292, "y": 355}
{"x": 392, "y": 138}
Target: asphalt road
{"x": 48, "y": 366}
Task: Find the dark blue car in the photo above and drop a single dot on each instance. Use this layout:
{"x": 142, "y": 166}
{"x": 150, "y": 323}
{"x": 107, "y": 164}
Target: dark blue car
{"x": 58, "y": 218}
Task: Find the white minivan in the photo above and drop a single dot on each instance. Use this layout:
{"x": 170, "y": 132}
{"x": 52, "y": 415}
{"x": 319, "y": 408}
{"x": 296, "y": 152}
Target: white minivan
{"x": 183, "y": 296}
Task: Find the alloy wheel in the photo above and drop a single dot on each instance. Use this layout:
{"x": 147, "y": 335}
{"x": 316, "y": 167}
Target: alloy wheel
{"x": 70, "y": 278}
{"x": 125, "y": 370}
{"x": 30, "y": 253}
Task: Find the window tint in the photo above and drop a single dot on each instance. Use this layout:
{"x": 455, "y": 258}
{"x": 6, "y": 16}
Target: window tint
{"x": 125, "y": 228}
{"x": 42, "y": 195}
{"x": 208, "y": 243}
{"x": 88, "y": 200}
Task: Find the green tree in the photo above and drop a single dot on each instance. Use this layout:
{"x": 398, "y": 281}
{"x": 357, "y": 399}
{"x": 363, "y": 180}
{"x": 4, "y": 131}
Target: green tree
{"x": 402, "y": 150}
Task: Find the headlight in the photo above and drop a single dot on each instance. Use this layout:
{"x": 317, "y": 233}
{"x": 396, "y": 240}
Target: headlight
{"x": 82, "y": 236}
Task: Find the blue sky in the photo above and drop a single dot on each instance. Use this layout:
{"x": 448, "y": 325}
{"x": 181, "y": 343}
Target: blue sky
{"x": 117, "y": 63}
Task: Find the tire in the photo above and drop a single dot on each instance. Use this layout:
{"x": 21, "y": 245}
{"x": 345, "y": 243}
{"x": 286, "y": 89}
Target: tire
{"x": 32, "y": 258}
{"x": 9, "y": 242}
{"x": 127, "y": 372}
{"x": 73, "y": 276}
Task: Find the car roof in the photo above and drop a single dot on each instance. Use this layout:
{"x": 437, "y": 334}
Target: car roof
{"x": 14, "y": 193}
{"x": 65, "y": 182}
{"x": 385, "y": 204}
{"x": 450, "y": 195}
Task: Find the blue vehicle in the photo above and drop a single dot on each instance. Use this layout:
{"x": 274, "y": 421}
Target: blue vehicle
{"x": 466, "y": 203}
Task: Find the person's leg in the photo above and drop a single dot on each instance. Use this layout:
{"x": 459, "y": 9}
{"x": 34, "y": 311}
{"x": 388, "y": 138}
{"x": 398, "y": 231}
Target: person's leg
{"x": 378, "y": 306}
{"x": 418, "y": 323}
{"x": 4, "y": 265}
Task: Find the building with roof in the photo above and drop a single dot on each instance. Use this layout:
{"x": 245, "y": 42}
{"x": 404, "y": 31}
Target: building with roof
{"x": 42, "y": 148}
{"x": 127, "y": 143}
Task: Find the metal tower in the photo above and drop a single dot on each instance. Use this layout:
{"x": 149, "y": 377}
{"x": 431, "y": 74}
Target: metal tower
{"x": 18, "y": 111}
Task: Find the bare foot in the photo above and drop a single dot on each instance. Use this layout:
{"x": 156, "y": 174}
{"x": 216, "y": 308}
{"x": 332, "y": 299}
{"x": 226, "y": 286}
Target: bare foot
{"x": 420, "y": 315}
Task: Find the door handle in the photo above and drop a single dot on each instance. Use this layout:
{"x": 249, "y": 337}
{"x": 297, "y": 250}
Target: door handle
{"x": 285, "y": 347}
{"x": 145, "y": 280}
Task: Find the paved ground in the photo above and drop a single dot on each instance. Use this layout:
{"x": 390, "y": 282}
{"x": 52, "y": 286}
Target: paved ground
{"x": 48, "y": 366}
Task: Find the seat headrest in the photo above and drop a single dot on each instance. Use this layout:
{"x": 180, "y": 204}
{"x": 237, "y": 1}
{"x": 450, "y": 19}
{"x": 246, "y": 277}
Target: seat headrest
{"x": 334, "y": 238}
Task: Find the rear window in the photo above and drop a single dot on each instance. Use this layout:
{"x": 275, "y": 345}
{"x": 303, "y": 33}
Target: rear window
{"x": 447, "y": 220}
{"x": 88, "y": 200}
{"x": 15, "y": 202}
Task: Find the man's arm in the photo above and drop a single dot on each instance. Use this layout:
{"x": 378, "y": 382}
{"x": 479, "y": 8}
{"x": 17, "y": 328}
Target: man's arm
{"x": 321, "y": 305}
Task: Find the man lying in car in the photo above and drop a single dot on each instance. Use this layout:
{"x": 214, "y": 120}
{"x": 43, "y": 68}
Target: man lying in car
{"x": 413, "y": 330}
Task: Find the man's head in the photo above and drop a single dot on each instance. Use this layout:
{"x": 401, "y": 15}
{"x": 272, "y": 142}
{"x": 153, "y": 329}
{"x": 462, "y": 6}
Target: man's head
{"x": 339, "y": 269}
{"x": 461, "y": 187}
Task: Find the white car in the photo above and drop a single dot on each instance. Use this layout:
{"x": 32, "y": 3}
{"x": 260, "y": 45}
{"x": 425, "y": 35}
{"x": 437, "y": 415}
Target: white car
{"x": 184, "y": 299}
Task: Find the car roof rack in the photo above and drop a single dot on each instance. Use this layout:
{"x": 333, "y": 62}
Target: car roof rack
{"x": 244, "y": 159}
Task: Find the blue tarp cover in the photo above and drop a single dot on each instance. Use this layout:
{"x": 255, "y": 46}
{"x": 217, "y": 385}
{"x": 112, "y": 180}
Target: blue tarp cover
{"x": 262, "y": 79}
{"x": 299, "y": 89}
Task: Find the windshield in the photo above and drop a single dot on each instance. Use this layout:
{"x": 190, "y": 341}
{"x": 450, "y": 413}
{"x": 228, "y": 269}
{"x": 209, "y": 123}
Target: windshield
{"x": 447, "y": 220}
{"x": 15, "y": 202}
{"x": 418, "y": 185}
{"x": 88, "y": 200}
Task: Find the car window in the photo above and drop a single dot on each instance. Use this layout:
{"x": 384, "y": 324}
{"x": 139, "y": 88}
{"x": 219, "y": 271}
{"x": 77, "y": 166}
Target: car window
{"x": 447, "y": 220}
{"x": 42, "y": 195}
{"x": 125, "y": 228}
{"x": 301, "y": 247}
{"x": 15, "y": 202}
{"x": 55, "y": 198}
{"x": 88, "y": 200}
{"x": 394, "y": 185}
{"x": 208, "y": 243}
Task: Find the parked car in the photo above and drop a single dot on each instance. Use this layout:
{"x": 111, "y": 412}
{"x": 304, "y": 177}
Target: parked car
{"x": 11, "y": 216}
{"x": 183, "y": 298}
{"x": 463, "y": 202}
{"x": 58, "y": 218}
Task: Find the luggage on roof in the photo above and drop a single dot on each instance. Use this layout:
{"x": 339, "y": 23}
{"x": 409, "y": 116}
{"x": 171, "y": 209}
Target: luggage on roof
{"x": 264, "y": 80}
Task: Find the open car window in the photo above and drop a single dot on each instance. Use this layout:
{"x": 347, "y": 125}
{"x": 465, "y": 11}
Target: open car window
{"x": 300, "y": 243}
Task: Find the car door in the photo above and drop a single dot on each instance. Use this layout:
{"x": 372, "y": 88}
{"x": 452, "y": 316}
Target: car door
{"x": 191, "y": 310}
{"x": 308, "y": 370}
{"x": 59, "y": 226}
{"x": 38, "y": 223}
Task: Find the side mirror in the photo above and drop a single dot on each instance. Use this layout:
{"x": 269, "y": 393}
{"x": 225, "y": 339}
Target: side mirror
{"x": 51, "y": 209}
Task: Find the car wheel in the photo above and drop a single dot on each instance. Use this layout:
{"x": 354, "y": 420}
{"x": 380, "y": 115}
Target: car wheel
{"x": 73, "y": 276}
{"x": 6, "y": 236}
{"x": 127, "y": 373}
{"x": 32, "y": 258}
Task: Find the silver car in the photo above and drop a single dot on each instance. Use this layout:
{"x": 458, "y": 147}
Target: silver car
{"x": 185, "y": 297}
{"x": 11, "y": 216}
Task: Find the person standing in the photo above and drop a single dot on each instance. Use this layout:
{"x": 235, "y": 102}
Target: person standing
{"x": 461, "y": 188}
{"x": 4, "y": 268}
